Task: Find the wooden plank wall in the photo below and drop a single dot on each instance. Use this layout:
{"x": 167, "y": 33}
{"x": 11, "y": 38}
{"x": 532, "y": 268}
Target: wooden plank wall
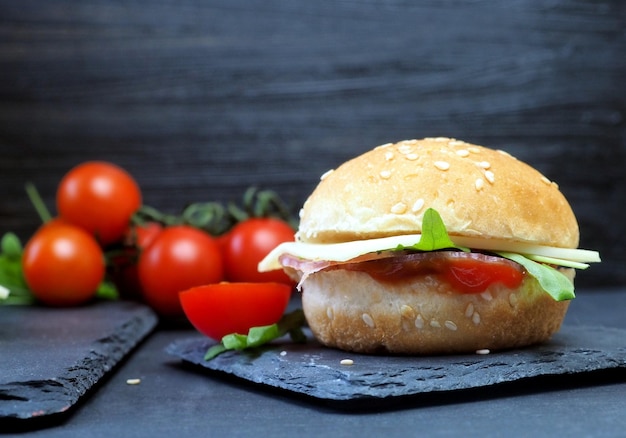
{"x": 200, "y": 99}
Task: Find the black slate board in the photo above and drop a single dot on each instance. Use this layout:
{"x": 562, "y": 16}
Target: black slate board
{"x": 51, "y": 358}
{"x": 313, "y": 371}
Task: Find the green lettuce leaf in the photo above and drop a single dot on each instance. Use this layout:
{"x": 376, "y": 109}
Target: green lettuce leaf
{"x": 552, "y": 281}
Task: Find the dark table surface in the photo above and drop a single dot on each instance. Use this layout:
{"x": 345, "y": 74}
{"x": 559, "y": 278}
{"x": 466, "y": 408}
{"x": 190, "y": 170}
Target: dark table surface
{"x": 174, "y": 400}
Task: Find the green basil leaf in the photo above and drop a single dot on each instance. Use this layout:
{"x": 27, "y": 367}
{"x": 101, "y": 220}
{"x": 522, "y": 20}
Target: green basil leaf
{"x": 107, "y": 291}
{"x": 214, "y": 351}
{"x": 291, "y": 323}
{"x": 434, "y": 234}
{"x": 235, "y": 341}
{"x": 11, "y": 275}
{"x": 557, "y": 285}
{"x": 11, "y": 246}
{"x": 260, "y": 335}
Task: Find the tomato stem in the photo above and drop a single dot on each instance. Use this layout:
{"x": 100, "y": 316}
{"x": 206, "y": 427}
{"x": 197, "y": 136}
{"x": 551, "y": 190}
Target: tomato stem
{"x": 38, "y": 203}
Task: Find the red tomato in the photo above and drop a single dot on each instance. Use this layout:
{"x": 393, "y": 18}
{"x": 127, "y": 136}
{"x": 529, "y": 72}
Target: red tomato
{"x": 469, "y": 275}
{"x": 99, "y": 197}
{"x": 63, "y": 265}
{"x": 123, "y": 265}
{"x": 248, "y": 243}
{"x": 179, "y": 258}
{"x": 217, "y": 310}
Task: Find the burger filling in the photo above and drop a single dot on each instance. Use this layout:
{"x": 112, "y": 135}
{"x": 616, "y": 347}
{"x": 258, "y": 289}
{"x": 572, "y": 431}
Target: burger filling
{"x": 434, "y": 252}
{"x": 466, "y": 272}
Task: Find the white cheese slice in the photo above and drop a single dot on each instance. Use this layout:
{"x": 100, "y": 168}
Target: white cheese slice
{"x": 340, "y": 252}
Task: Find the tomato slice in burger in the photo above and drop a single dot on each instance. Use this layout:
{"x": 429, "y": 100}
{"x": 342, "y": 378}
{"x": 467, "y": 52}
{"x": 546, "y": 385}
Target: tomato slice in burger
{"x": 466, "y": 272}
{"x": 217, "y": 310}
{"x": 471, "y": 275}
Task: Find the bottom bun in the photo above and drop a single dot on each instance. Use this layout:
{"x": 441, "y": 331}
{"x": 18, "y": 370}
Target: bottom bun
{"x": 351, "y": 311}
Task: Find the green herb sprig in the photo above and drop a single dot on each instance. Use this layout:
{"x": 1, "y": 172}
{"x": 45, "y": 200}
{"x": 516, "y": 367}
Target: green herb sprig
{"x": 291, "y": 323}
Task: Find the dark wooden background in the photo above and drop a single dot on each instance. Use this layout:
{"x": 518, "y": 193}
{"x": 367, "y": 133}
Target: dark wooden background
{"x": 201, "y": 99}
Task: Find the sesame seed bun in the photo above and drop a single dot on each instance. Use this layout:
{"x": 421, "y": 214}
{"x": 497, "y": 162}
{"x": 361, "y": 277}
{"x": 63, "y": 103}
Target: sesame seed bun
{"x": 479, "y": 193}
{"x": 351, "y": 311}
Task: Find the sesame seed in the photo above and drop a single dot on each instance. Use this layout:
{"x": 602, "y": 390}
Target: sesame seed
{"x": 388, "y": 156}
{"x": 399, "y": 208}
{"x": 326, "y": 174}
{"x": 450, "y": 325}
{"x": 489, "y": 176}
{"x": 417, "y": 205}
{"x": 486, "y": 296}
{"x": 385, "y": 174}
{"x": 483, "y": 351}
{"x": 407, "y": 311}
{"x": 368, "y": 320}
{"x": 133, "y": 381}
{"x": 545, "y": 180}
{"x": 386, "y": 145}
{"x": 434, "y": 323}
{"x": 329, "y": 313}
{"x": 513, "y": 300}
{"x": 411, "y": 156}
{"x": 405, "y": 149}
{"x": 474, "y": 150}
{"x": 441, "y": 139}
{"x": 462, "y": 152}
{"x": 283, "y": 353}
{"x": 484, "y": 164}
{"x": 346, "y": 362}
{"x": 419, "y": 322}
{"x": 505, "y": 153}
{"x": 479, "y": 183}
{"x": 442, "y": 165}
{"x": 476, "y": 318}
{"x": 469, "y": 310}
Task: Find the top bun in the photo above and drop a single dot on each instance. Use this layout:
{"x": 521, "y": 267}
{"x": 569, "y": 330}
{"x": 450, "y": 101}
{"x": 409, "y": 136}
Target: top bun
{"x": 477, "y": 191}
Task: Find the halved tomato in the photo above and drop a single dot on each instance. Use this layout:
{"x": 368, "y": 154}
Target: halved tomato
{"x": 217, "y": 310}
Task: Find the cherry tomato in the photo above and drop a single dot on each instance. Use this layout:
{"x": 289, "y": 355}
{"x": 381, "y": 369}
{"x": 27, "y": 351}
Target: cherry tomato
{"x": 99, "y": 197}
{"x": 217, "y": 310}
{"x": 179, "y": 258}
{"x": 63, "y": 265}
{"x": 469, "y": 275}
{"x": 248, "y": 243}
{"x": 123, "y": 265}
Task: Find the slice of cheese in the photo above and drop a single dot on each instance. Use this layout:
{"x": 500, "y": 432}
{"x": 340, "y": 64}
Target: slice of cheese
{"x": 340, "y": 252}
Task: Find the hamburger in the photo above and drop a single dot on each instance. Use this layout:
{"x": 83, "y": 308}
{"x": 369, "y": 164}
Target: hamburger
{"x": 433, "y": 246}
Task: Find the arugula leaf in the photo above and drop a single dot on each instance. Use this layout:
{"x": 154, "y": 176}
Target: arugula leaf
{"x": 552, "y": 281}
{"x": 434, "y": 234}
{"x": 291, "y": 323}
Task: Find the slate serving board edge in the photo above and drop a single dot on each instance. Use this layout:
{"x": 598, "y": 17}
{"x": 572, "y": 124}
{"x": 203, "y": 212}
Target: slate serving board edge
{"x": 38, "y": 400}
{"x": 314, "y": 373}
